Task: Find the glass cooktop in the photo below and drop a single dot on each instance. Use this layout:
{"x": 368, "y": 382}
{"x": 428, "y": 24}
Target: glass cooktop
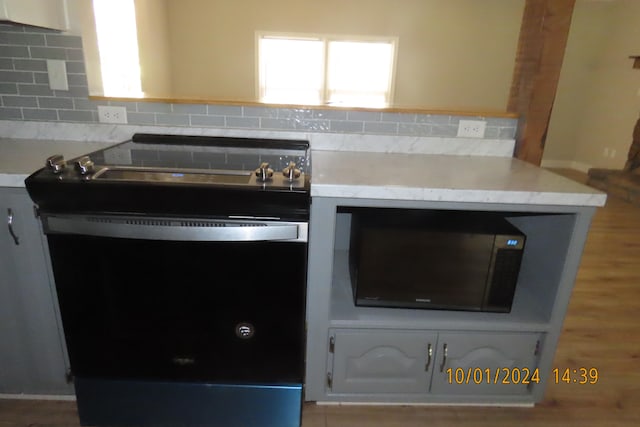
{"x": 218, "y": 155}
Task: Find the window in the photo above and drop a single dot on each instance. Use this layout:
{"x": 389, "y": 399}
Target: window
{"x": 118, "y": 46}
{"x": 325, "y": 70}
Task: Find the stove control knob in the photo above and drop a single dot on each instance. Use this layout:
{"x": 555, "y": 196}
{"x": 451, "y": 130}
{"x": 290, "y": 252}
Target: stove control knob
{"x": 84, "y": 165}
{"x": 290, "y": 172}
{"x": 56, "y": 163}
{"x": 264, "y": 173}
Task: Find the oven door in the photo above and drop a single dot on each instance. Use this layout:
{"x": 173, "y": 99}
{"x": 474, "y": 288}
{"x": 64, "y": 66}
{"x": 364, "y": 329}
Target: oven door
{"x": 181, "y": 300}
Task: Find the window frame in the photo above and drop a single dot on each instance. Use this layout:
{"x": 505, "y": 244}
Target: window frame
{"x": 326, "y": 39}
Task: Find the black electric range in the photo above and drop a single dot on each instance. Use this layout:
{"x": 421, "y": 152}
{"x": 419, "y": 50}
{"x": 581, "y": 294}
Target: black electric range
{"x": 180, "y": 269}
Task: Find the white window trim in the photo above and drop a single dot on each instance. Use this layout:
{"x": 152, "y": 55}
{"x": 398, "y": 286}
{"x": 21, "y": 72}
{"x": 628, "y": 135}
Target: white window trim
{"x": 326, "y": 38}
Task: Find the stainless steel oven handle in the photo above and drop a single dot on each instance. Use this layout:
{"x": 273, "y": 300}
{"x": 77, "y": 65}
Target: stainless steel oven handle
{"x": 168, "y": 230}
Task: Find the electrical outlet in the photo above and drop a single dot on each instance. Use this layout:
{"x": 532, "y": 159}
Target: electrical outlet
{"x": 613, "y": 154}
{"x": 605, "y": 152}
{"x": 112, "y": 114}
{"x": 471, "y": 128}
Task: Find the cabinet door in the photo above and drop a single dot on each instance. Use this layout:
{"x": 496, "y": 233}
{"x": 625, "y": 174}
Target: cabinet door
{"x": 486, "y": 363}
{"x": 32, "y": 355}
{"x": 41, "y": 13}
{"x": 382, "y": 361}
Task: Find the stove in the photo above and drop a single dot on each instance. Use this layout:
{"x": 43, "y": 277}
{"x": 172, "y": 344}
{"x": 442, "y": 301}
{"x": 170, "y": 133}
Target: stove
{"x": 171, "y": 174}
{"x": 180, "y": 269}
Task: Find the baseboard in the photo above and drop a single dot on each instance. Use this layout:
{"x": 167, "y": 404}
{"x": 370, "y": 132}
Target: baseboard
{"x": 496, "y": 405}
{"x": 567, "y": 164}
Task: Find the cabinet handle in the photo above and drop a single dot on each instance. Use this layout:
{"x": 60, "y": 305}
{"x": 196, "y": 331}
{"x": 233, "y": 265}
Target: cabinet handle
{"x": 10, "y": 226}
{"x": 429, "y": 355}
{"x": 444, "y": 358}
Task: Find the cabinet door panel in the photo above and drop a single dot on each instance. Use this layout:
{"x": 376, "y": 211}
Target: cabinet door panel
{"x": 31, "y": 343}
{"x": 371, "y": 362}
{"x": 485, "y": 363}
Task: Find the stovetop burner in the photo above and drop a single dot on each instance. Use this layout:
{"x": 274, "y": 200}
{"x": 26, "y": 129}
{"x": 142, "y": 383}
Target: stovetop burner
{"x": 151, "y": 173}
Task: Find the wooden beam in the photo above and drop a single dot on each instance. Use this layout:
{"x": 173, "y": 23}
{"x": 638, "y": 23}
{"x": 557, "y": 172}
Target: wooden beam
{"x": 541, "y": 47}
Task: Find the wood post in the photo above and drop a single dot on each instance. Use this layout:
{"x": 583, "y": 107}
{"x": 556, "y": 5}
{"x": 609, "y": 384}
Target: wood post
{"x": 541, "y": 47}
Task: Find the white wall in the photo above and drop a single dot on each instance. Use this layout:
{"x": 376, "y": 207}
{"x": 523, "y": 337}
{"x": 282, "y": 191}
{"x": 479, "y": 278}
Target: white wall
{"x": 597, "y": 103}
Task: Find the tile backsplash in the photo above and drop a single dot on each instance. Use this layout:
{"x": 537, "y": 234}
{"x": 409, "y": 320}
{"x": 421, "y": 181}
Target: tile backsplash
{"x": 25, "y": 96}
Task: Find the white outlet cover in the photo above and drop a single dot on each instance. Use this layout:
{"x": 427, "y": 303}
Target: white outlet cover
{"x": 57, "y": 71}
{"x": 471, "y": 128}
{"x": 109, "y": 114}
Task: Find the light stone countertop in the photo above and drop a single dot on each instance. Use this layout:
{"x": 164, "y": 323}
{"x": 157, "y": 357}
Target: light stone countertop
{"x": 451, "y": 178}
{"x": 19, "y": 158}
{"x": 351, "y": 174}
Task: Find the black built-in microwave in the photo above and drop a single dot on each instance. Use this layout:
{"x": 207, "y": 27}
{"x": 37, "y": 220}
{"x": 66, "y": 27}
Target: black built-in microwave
{"x": 434, "y": 259}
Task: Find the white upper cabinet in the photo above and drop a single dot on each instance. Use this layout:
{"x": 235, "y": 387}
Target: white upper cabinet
{"x": 40, "y": 13}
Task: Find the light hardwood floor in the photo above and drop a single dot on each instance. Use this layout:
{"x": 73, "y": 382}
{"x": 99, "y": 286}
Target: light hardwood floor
{"x": 601, "y": 330}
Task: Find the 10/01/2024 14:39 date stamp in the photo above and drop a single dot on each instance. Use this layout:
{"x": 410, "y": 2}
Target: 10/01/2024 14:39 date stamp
{"x": 520, "y": 376}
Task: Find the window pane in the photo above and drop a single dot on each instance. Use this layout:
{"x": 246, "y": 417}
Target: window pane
{"x": 118, "y": 47}
{"x": 359, "y": 73}
{"x": 291, "y": 71}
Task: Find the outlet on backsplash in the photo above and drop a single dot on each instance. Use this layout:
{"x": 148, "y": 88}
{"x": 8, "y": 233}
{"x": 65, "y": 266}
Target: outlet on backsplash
{"x": 108, "y": 114}
{"x": 471, "y": 128}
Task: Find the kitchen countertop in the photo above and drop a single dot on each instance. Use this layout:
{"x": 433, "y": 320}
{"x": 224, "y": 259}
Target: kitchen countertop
{"x": 19, "y": 158}
{"x": 450, "y": 178}
{"x": 426, "y": 177}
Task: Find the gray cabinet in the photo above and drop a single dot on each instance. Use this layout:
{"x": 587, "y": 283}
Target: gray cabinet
{"x": 32, "y": 352}
{"x": 397, "y": 355}
{"x": 484, "y": 363}
{"x": 377, "y": 362}
{"x": 373, "y": 362}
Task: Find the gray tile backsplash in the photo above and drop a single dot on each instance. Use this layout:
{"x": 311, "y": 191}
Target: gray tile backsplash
{"x": 25, "y": 95}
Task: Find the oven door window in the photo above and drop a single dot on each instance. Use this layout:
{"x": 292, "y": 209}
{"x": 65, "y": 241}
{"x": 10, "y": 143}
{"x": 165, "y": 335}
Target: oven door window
{"x": 183, "y": 311}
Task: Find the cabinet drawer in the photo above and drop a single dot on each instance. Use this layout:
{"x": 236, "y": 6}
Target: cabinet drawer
{"x": 383, "y": 361}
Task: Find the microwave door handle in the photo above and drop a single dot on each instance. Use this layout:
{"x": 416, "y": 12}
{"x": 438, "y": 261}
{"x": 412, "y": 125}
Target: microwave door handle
{"x": 248, "y": 233}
